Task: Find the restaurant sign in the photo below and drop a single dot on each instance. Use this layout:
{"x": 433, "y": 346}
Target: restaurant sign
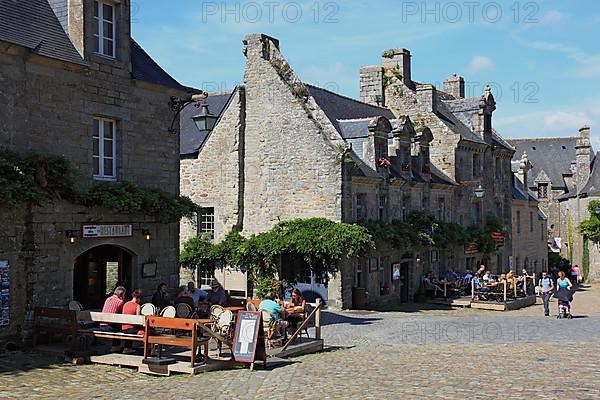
{"x": 92, "y": 231}
{"x": 498, "y": 238}
{"x": 472, "y": 248}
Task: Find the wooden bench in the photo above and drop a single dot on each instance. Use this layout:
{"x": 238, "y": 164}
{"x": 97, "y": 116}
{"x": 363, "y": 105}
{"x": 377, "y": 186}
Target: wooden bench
{"x": 157, "y": 324}
{"x": 54, "y": 320}
{"x": 86, "y": 317}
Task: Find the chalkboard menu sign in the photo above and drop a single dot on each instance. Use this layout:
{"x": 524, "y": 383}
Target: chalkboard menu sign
{"x": 249, "y": 338}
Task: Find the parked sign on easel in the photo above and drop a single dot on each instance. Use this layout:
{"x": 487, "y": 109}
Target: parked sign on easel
{"x": 249, "y": 338}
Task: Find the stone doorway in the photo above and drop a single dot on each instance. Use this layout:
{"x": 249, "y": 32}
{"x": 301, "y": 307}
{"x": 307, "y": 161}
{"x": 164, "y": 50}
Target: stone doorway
{"x": 98, "y": 271}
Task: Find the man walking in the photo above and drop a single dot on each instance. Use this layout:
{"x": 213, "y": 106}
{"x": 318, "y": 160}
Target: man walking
{"x": 547, "y": 286}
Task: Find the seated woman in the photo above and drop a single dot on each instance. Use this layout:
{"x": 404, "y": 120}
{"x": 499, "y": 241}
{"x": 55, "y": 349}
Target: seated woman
{"x": 132, "y": 307}
{"x": 295, "y": 309}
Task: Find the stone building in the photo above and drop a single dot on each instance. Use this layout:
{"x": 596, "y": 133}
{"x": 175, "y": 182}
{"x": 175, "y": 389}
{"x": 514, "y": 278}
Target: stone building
{"x": 275, "y": 154}
{"x": 75, "y": 84}
{"x": 529, "y": 225}
{"x": 465, "y": 145}
{"x": 562, "y": 176}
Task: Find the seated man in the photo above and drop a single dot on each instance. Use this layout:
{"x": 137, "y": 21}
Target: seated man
{"x": 184, "y": 297}
{"x": 217, "y": 295}
{"x": 196, "y": 294}
{"x": 488, "y": 278}
{"x": 114, "y": 305}
{"x": 275, "y": 309}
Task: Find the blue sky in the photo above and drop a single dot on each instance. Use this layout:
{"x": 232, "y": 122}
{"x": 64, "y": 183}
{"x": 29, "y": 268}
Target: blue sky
{"x": 541, "y": 58}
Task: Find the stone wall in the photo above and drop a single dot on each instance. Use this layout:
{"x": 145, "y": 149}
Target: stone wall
{"x": 529, "y": 248}
{"x": 290, "y": 164}
{"x": 42, "y": 259}
{"x": 215, "y": 178}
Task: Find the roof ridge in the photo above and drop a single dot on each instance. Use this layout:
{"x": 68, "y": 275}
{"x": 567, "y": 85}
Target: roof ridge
{"x": 545, "y": 138}
{"x": 346, "y": 97}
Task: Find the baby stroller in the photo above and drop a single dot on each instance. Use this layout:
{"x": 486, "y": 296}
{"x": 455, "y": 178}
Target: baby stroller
{"x": 564, "y": 298}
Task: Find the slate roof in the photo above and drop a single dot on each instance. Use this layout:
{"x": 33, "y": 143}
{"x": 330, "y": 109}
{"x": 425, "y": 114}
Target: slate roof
{"x": 454, "y": 123}
{"x": 552, "y": 155}
{"x": 192, "y": 139}
{"x": 354, "y": 128}
{"x": 33, "y": 24}
{"x": 592, "y": 187}
{"x": 144, "y": 68}
{"x": 517, "y": 193}
{"x": 338, "y": 107}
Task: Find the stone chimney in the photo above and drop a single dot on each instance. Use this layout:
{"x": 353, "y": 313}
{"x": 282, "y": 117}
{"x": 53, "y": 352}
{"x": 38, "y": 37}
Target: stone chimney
{"x": 455, "y": 85}
{"x": 398, "y": 59}
{"x": 371, "y": 86}
{"x": 583, "y": 150}
{"x": 426, "y": 97}
{"x": 524, "y": 167}
{"x": 75, "y": 24}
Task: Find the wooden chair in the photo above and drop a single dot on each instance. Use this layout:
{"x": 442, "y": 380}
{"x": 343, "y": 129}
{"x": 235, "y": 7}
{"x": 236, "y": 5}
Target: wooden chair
{"x": 183, "y": 310}
{"x": 148, "y": 309}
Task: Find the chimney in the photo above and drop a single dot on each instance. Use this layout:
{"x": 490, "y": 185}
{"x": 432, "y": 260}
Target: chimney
{"x": 455, "y": 85}
{"x": 426, "y": 97}
{"x": 524, "y": 167}
{"x": 398, "y": 59}
{"x": 371, "y": 86}
{"x": 75, "y": 24}
{"x": 583, "y": 150}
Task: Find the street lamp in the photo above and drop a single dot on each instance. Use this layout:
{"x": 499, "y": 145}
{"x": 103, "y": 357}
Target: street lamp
{"x": 480, "y": 192}
{"x": 177, "y": 104}
{"x": 204, "y": 120}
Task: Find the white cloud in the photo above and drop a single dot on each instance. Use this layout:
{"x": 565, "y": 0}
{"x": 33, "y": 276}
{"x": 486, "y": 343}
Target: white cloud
{"x": 553, "y": 17}
{"x": 480, "y": 63}
{"x": 588, "y": 64}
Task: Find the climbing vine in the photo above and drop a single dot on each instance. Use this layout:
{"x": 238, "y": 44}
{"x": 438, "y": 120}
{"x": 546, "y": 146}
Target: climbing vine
{"x": 38, "y": 179}
{"x": 585, "y": 260}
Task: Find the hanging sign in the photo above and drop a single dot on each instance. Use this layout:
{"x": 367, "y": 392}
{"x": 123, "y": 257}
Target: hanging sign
{"x": 90, "y": 231}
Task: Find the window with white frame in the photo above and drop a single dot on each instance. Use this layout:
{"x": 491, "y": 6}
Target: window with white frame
{"x": 206, "y": 221}
{"x": 105, "y": 149}
{"x": 104, "y": 28}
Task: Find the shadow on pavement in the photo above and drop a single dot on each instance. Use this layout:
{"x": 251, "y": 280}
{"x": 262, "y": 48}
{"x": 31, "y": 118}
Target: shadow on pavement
{"x": 330, "y": 318}
{"x": 16, "y": 362}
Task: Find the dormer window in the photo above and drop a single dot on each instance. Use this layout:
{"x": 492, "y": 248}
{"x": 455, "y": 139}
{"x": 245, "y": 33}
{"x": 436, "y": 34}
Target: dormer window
{"x": 104, "y": 28}
{"x": 542, "y": 191}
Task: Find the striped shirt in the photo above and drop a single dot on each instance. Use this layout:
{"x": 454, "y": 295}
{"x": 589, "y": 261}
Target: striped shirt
{"x": 113, "y": 305}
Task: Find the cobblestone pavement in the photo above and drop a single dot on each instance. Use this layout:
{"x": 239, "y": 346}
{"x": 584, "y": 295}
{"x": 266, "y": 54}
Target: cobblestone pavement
{"x": 433, "y": 354}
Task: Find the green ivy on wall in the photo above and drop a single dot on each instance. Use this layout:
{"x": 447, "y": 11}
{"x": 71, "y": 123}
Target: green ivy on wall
{"x": 570, "y": 236}
{"x": 585, "y": 261}
{"x": 35, "y": 178}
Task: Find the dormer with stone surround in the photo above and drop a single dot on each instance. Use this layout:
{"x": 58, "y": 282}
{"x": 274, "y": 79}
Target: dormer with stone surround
{"x": 99, "y": 29}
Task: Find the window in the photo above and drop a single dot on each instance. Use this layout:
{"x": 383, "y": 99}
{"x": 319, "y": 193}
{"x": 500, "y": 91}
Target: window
{"x": 475, "y": 214}
{"x": 441, "y": 209}
{"x": 361, "y": 207}
{"x": 542, "y": 191}
{"x": 476, "y": 166}
{"x": 104, "y": 28}
{"x": 499, "y": 169}
{"x": 404, "y": 213}
{"x": 542, "y": 232}
{"x": 530, "y": 221}
{"x": 380, "y": 150}
{"x": 104, "y": 149}
{"x": 206, "y": 221}
{"x": 518, "y": 221}
{"x": 381, "y": 207}
{"x": 358, "y": 279}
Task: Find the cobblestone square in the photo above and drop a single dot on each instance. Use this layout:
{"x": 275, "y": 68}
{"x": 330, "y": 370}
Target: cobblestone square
{"x": 413, "y": 354}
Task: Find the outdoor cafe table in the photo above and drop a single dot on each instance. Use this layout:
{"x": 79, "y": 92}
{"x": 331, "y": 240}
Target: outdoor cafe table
{"x": 234, "y": 309}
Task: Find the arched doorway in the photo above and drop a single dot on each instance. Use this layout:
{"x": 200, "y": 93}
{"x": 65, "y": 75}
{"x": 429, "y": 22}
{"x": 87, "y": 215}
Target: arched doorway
{"x": 98, "y": 271}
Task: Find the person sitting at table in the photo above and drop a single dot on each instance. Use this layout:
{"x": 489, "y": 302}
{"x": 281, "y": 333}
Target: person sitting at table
{"x": 160, "y": 298}
{"x": 276, "y": 311}
{"x": 511, "y": 280}
{"x": 217, "y": 295}
{"x": 487, "y": 278}
{"x": 196, "y": 294}
{"x": 132, "y": 307}
{"x": 184, "y": 297}
{"x": 478, "y": 284}
{"x": 295, "y": 309}
{"x": 113, "y": 305}
{"x": 431, "y": 288}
